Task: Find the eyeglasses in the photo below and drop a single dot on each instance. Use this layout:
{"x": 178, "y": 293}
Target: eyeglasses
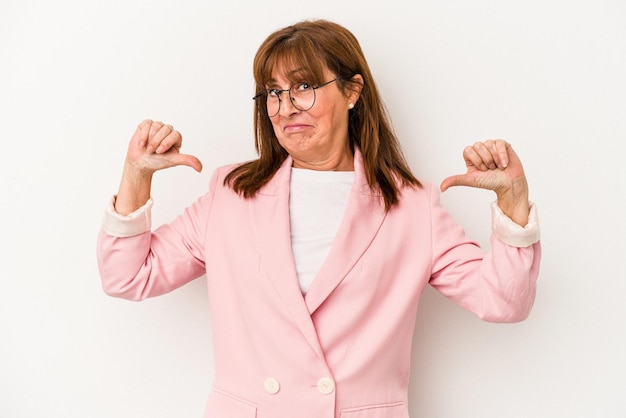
{"x": 301, "y": 96}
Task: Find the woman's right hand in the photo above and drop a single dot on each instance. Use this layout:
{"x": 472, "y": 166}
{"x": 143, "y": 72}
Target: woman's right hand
{"x": 154, "y": 146}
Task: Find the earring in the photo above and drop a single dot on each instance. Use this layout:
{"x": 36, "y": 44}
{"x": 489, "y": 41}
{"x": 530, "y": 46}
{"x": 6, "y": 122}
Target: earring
{"x": 351, "y": 106}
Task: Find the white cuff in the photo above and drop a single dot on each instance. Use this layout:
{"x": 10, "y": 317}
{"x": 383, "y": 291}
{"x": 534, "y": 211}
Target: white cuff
{"x": 135, "y": 223}
{"x": 514, "y": 234}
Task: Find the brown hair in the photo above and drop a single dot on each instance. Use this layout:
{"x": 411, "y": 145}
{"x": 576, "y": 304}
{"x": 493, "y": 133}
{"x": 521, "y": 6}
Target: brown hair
{"x": 313, "y": 46}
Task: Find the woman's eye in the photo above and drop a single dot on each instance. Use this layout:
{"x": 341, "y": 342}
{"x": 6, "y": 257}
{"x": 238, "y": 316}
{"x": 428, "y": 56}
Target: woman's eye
{"x": 304, "y": 86}
{"x": 274, "y": 93}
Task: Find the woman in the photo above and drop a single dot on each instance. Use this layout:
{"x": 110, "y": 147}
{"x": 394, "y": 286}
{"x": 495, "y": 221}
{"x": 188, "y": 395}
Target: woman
{"x": 316, "y": 253}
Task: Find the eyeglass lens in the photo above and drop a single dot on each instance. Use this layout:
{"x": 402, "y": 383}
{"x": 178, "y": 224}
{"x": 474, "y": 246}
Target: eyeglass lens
{"x": 301, "y": 96}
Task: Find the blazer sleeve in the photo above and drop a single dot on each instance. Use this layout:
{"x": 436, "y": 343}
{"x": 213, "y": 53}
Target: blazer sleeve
{"x": 498, "y": 285}
{"x": 136, "y": 263}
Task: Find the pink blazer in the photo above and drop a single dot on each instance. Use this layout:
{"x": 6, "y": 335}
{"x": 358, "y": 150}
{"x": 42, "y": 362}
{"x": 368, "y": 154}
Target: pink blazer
{"x": 342, "y": 350}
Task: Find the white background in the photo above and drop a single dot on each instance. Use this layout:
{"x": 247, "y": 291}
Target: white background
{"x": 76, "y": 77}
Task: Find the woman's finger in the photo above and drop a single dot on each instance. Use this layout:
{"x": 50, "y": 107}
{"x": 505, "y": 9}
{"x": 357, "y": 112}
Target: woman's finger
{"x": 473, "y": 158}
{"x": 172, "y": 139}
{"x": 485, "y": 152}
{"x": 502, "y": 151}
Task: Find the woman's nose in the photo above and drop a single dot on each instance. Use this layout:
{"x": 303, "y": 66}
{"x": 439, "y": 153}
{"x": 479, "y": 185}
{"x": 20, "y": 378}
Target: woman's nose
{"x": 286, "y": 106}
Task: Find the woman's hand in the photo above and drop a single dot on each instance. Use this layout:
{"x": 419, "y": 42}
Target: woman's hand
{"x": 493, "y": 165}
{"x": 155, "y": 146}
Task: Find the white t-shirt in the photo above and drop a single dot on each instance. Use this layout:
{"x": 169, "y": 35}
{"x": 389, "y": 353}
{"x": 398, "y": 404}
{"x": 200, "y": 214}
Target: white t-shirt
{"x": 317, "y": 202}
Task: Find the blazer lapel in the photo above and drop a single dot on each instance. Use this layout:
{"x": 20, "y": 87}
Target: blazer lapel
{"x": 363, "y": 217}
{"x": 269, "y": 212}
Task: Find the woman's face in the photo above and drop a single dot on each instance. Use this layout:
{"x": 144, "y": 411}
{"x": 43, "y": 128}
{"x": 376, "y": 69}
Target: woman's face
{"x": 316, "y": 138}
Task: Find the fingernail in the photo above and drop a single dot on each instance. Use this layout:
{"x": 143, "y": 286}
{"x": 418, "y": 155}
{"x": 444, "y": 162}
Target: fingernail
{"x": 150, "y": 149}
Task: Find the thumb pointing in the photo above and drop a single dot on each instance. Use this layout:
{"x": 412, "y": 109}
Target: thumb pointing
{"x": 189, "y": 161}
{"x": 457, "y": 180}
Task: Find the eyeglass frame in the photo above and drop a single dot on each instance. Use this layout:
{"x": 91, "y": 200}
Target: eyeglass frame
{"x": 291, "y": 100}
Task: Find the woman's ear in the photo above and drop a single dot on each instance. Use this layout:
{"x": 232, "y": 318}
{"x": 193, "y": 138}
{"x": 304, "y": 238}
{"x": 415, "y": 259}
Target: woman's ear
{"x": 356, "y": 85}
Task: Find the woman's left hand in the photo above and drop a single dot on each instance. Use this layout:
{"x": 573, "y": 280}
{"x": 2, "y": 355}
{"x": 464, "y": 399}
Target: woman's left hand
{"x": 494, "y": 165}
